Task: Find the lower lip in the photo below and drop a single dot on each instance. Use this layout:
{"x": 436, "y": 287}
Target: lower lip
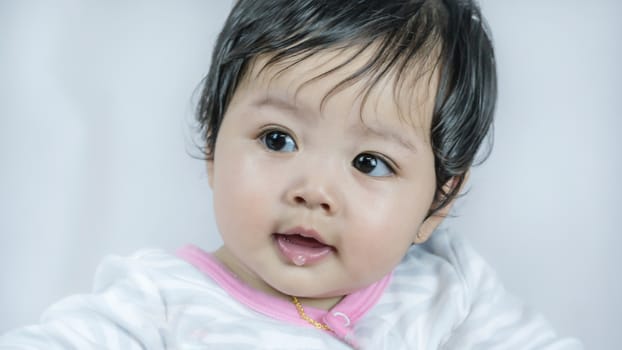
{"x": 301, "y": 255}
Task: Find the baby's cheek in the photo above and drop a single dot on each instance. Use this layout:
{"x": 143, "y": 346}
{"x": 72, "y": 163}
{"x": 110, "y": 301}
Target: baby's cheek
{"x": 370, "y": 260}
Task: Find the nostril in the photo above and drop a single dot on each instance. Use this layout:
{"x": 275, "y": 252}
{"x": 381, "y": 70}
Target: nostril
{"x": 311, "y": 202}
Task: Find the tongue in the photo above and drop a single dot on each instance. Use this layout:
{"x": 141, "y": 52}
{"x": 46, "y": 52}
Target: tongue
{"x": 302, "y": 250}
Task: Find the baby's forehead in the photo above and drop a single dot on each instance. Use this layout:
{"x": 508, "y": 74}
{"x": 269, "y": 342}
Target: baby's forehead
{"x": 330, "y": 78}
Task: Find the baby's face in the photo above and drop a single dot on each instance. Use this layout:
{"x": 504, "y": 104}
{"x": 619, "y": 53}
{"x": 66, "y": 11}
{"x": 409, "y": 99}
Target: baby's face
{"x": 319, "y": 200}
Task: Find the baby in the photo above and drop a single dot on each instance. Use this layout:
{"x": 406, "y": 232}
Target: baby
{"x": 338, "y": 134}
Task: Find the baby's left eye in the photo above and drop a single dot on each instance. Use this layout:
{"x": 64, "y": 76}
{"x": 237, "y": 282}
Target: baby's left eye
{"x": 372, "y": 165}
{"x": 278, "y": 141}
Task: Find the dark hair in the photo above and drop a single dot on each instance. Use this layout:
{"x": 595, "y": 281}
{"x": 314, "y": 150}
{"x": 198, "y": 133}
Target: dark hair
{"x": 449, "y": 34}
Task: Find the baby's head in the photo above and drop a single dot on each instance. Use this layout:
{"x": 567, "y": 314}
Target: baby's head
{"x": 339, "y": 132}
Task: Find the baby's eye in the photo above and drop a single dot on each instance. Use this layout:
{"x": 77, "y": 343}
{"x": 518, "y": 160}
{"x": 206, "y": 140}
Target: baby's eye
{"x": 278, "y": 141}
{"x": 372, "y": 165}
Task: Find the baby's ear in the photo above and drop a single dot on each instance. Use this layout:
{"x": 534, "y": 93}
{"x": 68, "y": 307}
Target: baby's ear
{"x": 210, "y": 172}
{"x": 431, "y": 223}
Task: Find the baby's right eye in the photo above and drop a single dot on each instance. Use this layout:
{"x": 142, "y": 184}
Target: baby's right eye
{"x": 278, "y": 141}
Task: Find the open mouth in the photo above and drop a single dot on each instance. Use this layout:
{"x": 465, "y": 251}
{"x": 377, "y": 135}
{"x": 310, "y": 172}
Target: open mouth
{"x": 301, "y": 250}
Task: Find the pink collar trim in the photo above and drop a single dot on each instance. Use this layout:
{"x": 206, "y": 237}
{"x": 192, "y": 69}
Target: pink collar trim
{"x": 341, "y": 318}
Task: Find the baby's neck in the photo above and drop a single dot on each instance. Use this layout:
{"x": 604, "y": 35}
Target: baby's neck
{"x": 322, "y": 303}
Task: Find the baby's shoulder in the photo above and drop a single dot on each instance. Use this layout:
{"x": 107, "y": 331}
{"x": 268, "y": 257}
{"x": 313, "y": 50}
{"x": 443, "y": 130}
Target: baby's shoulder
{"x": 445, "y": 295}
{"x": 142, "y": 265}
{"x": 149, "y": 269}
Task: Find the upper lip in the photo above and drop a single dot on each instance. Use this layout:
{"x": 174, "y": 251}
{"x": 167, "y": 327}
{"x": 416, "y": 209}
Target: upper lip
{"x": 305, "y": 232}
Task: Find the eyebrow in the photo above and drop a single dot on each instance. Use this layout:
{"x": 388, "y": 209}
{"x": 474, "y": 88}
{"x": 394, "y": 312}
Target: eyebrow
{"x": 277, "y": 102}
{"x": 376, "y": 130}
{"x": 387, "y": 133}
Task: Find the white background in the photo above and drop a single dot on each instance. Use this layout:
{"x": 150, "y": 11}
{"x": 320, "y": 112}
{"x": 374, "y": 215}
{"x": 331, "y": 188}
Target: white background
{"x": 97, "y": 146}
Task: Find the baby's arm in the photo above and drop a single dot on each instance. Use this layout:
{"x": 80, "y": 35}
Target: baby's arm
{"x": 496, "y": 319}
{"x": 124, "y": 312}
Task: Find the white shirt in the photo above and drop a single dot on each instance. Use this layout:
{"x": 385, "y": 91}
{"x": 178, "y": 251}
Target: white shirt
{"x": 441, "y": 296}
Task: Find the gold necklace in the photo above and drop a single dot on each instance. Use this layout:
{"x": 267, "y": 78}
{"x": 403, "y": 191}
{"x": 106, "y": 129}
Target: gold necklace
{"x": 304, "y": 316}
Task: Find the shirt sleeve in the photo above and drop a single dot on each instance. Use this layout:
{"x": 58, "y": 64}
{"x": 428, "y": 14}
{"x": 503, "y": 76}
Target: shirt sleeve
{"x": 125, "y": 311}
{"x": 495, "y": 319}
